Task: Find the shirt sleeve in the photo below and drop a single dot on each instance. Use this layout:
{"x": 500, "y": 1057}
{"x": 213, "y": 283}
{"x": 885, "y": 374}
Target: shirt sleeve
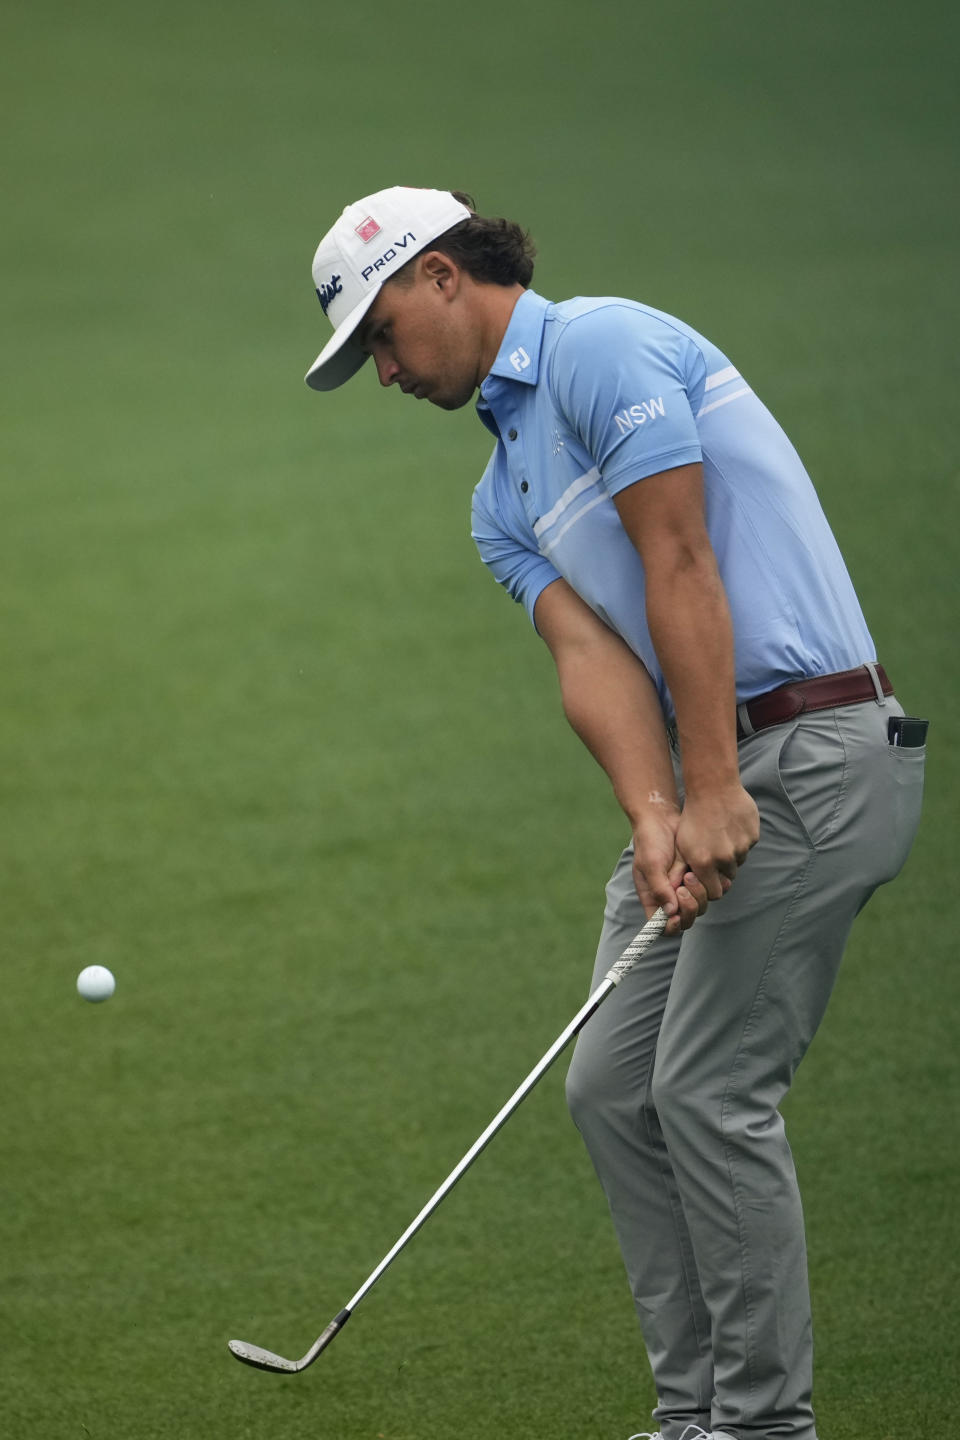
{"x": 622, "y": 378}
{"x": 521, "y": 570}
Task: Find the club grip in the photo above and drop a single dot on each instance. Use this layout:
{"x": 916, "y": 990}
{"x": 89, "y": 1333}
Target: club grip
{"x": 638, "y": 946}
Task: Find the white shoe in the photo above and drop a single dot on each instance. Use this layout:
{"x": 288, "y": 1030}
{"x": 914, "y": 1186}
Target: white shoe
{"x": 692, "y": 1432}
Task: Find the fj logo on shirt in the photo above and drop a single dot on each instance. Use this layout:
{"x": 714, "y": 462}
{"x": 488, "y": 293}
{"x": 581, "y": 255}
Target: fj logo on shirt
{"x": 325, "y": 293}
{"x": 519, "y": 359}
{"x": 635, "y": 415}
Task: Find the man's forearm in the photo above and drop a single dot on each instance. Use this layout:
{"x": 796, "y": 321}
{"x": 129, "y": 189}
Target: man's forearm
{"x": 613, "y": 705}
{"x": 689, "y": 621}
{"x": 610, "y": 701}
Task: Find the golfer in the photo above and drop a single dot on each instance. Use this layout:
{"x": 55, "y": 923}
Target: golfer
{"x": 661, "y": 533}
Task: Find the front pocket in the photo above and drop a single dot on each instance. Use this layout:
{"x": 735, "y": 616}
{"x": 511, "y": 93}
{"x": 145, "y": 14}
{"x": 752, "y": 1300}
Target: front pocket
{"x": 812, "y": 768}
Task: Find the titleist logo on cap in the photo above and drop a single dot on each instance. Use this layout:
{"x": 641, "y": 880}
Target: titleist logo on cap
{"x": 326, "y": 292}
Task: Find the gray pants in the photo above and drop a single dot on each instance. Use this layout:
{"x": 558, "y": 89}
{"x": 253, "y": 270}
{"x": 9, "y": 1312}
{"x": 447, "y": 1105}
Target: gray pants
{"x": 675, "y": 1082}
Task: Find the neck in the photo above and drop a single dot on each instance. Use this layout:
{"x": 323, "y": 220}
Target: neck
{"x": 496, "y": 305}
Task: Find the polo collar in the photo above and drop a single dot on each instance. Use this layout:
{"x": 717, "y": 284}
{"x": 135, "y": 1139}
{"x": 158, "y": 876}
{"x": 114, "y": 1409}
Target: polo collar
{"x": 519, "y": 355}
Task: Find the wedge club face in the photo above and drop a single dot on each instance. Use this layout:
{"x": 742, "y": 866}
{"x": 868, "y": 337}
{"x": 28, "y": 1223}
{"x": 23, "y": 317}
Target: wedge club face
{"x": 262, "y": 1359}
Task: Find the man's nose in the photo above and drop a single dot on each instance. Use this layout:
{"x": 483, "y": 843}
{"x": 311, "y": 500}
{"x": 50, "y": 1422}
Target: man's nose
{"x": 387, "y": 369}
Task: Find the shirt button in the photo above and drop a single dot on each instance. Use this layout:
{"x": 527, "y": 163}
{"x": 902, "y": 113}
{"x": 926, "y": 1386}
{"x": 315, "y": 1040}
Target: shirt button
{"x": 511, "y": 434}
{"x": 524, "y": 486}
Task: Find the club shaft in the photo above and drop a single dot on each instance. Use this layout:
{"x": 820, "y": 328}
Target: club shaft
{"x": 481, "y": 1143}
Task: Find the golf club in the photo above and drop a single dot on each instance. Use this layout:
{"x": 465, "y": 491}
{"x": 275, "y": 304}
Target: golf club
{"x": 266, "y": 1359}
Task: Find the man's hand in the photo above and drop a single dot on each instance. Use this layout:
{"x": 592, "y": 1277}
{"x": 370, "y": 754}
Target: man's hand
{"x": 715, "y": 833}
{"x": 684, "y": 859}
{"x": 660, "y": 873}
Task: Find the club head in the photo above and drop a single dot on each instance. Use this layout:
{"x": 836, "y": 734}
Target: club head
{"x": 266, "y": 1360}
{"x": 263, "y": 1359}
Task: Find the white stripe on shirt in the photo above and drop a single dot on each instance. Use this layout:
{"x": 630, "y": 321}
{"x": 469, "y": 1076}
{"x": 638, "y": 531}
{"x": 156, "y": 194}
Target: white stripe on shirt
{"x": 552, "y": 544}
{"x": 720, "y": 377}
{"x": 715, "y": 404}
{"x": 583, "y": 482}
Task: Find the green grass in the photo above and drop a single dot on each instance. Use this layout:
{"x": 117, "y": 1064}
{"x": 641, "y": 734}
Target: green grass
{"x": 278, "y": 752}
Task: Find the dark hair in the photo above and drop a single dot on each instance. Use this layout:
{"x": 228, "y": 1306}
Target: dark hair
{"x": 493, "y": 252}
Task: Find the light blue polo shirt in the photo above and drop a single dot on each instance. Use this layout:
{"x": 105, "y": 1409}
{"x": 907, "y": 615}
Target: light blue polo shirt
{"x": 592, "y": 395}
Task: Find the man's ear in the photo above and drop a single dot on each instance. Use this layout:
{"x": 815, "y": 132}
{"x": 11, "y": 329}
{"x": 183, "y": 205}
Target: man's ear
{"x": 441, "y": 272}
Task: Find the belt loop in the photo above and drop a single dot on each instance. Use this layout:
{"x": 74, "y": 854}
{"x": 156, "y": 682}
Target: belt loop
{"x": 743, "y": 715}
{"x": 872, "y": 670}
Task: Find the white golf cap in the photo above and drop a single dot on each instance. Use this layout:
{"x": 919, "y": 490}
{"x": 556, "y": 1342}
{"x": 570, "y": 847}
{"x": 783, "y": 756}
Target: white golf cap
{"x": 369, "y": 243}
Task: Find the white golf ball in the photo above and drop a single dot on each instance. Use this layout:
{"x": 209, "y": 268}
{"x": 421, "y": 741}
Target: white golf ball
{"x": 96, "y": 983}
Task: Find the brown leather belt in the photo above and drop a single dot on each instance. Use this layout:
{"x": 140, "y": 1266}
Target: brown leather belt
{"x": 822, "y": 692}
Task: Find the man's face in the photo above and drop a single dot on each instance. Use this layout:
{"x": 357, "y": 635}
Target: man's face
{"x": 423, "y": 338}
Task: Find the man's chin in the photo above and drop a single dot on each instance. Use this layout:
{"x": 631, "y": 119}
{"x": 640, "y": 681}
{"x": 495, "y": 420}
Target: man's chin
{"x": 445, "y": 401}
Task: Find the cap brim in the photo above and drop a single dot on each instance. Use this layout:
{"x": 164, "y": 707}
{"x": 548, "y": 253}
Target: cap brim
{"x": 341, "y": 357}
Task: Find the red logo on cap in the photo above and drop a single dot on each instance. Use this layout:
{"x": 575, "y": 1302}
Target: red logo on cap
{"x": 368, "y": 229}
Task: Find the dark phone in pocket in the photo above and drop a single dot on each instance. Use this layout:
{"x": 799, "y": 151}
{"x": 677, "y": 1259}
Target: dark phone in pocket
{"x": 907, "y": 731}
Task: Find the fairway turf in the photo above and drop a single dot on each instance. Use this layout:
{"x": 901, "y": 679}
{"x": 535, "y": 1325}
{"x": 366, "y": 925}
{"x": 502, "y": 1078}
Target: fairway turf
{"x": 280, "y": 754}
